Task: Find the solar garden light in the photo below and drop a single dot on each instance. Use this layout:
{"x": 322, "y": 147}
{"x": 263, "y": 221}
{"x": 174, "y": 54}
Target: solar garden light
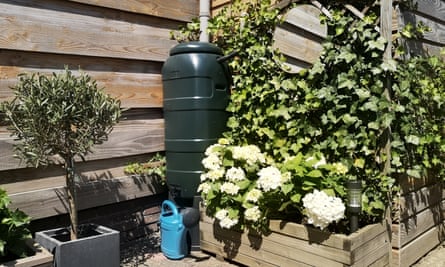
{"x": 354, "y": 207}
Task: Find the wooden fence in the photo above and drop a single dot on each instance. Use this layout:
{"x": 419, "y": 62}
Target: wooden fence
{"x": 121, "y": 44}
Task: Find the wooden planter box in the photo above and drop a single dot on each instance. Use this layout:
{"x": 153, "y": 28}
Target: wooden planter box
{"x": 292, "y": 244}
{"x": 419, "y": 224}
{"x": 41, "y": 258}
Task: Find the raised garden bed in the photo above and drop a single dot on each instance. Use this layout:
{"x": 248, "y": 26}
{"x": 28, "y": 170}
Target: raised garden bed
{"x": 292, "y": 244}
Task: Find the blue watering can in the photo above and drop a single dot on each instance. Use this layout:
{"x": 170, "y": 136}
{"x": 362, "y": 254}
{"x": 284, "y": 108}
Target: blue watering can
{"x": 173, "y": 232}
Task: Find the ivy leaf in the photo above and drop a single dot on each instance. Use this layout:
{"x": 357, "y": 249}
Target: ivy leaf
{"x": 281, "y": 112}
{"x": 348, "y": 119}
{"x": 377, "y": 44}
{"x": 345, "y": 82}
{"x": 412, "y": 139}
{"x": 389, "y": 65}
{"x": 362, "y": 93}
{"x": 339, "y": 30}
{"x": 346, "y": 56}
{"x": 414, "y": 173}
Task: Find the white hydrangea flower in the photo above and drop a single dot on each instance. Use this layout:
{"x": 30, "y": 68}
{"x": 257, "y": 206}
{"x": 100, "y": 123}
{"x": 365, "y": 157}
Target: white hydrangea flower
{"x": 230, "y": 188}
{"x": 214, "y": 175}
{"x": 252, "y": 214}
{"x": 211, "y": 162}
{"x": 204, "y": 188}
{"x": 224, "y": 221}
{"x": 254, "y": 195}
{"x": 221, "y": 214}
{"x": 228, "y": 223}
{"x": 322, "y": 209}
{"x": 269, "y": 178}
{"x": 212, "y": 149}
{"x": 251, "y": 154}
{"x": 235, "y": 174}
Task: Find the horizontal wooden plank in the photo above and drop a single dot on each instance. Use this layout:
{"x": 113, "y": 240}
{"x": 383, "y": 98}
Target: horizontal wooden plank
{"x": 51, "y": 201}
{"x": 349, "y": 243}
{"x": 414, "y": 202}
{"x": 129, "y": 137}
{"x": 409, "y": 229}
{"x": 338, "y": 241}
{"x": 409, "y": 184}
{"x": 236, "y": 246}
{"x": 307, "y": 18}
{"x": 183, "y": 10}
{"x": 283, "y": 246}
{"x": 136, "y": 83}
{"x": 415, "y": 250}
{"x": 300, "y": 52}
{"x": 432, "y": 8}
{"x": 299, "y": 37}
{"x": 34, "y": 179}
{"x": 71, "y": 32}
{"x": 437, "y": 33}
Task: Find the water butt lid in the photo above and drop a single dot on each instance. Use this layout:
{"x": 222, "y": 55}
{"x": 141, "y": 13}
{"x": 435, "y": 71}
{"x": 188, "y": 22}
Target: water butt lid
{"x": 195, "y": 47}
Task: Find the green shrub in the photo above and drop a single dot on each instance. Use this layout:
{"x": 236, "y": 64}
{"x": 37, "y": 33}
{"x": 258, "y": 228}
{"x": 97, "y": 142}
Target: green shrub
{"x": 13, "y": 230}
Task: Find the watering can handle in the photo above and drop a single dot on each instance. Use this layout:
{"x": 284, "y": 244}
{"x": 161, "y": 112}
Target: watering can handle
{"x": 170, "y": 205}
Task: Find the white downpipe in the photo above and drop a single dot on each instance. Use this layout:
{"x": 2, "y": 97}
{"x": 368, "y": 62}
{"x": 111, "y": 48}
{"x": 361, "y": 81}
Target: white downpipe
{"x": 204, "y": 15}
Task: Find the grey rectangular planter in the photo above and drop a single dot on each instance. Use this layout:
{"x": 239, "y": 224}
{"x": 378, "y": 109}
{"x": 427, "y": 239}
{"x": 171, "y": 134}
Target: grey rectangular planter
{"x": 98, "y": 246}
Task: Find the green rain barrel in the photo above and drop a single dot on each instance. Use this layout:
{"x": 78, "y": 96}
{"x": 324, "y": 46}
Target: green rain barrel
{"x": 196, "y": 87}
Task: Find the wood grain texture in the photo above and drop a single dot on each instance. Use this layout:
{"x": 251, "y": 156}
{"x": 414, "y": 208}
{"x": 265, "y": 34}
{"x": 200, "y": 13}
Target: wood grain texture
{"x": 415, "y": 202}
{"x": 437, "y": 33}
{"x": 411, "y": 228}
{"x": 136, "y": 83}
{"x": 66, "y": 32}
{"x": 129, "y": 137}
{"x": 299, "y": 37}
{"x": 291, "y": 244}
{"x": 432, "y": 14}
{"x": 183, "y": 10}
{"x": 410, "y": 253}
{"x": 431, "y": 8}
{"x": 51, "y": 201}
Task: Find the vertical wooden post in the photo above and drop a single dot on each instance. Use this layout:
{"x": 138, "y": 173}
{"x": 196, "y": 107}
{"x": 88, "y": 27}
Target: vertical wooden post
{"x": 386, "y": 32}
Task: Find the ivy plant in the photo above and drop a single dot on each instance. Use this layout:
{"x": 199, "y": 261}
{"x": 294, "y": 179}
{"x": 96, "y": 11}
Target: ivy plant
{"x": 341, "y": 109}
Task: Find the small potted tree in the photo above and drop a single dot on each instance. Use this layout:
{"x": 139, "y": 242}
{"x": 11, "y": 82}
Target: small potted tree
{"x": 61, "y": 117}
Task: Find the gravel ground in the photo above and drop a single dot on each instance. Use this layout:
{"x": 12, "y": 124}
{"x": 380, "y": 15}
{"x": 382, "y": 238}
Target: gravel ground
{"x": 146, "y": 252}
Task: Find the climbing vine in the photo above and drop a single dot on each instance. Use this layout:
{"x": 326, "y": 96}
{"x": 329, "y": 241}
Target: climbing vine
{"x": 337, "y": 108}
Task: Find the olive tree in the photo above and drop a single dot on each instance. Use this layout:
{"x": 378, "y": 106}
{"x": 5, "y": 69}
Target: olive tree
{"x": 60, "y": 114}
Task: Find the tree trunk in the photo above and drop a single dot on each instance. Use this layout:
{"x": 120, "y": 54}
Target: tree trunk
{"x": 71, "y": 196}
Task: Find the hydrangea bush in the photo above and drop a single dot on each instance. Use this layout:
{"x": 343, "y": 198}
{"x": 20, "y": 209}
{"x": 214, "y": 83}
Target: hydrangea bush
{"x": 243, "y": 187}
